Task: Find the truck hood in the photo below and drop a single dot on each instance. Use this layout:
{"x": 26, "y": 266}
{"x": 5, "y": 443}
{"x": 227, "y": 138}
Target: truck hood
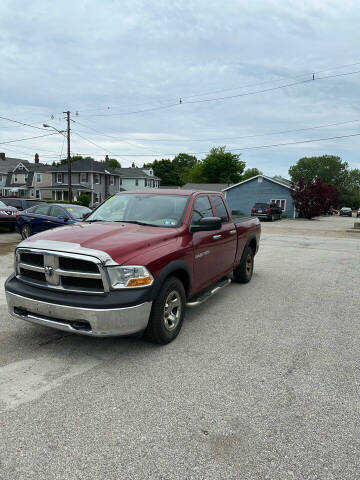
{"x": 121, "y": 241}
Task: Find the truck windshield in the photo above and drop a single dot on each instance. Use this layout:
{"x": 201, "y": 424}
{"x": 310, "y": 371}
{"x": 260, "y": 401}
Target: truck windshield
{"x": 147, "y": 209}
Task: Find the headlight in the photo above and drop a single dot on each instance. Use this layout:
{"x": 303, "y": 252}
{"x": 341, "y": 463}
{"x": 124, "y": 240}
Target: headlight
{"x": 129, "y": 276}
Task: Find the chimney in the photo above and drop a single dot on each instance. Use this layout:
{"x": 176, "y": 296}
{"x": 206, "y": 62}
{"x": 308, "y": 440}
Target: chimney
{"x": 133, "y": 165}
{"x": 36, "y": 158}
{"x": 2, "y": 156}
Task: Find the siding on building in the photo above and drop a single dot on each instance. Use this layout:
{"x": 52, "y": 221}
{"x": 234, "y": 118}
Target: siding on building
{"x": 243, "y": 196}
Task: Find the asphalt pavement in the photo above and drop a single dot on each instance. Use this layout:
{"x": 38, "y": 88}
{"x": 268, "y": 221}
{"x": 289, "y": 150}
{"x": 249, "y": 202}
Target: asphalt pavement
{"x": 262, "y": 382}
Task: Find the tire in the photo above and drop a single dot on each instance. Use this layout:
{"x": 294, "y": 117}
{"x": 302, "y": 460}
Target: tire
{"x": 165, "y": 320}
{"x": 244, "y": 271}
{"x": 273, "y": 218}
{"x": 25, "y": 231}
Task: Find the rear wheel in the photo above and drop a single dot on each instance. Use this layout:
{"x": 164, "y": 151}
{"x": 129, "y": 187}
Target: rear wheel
{"x": 272, "y": 217}
{"x": 244, "y": 271}
{"x": 167, "y": 312}
{"x": 25, "y": 231}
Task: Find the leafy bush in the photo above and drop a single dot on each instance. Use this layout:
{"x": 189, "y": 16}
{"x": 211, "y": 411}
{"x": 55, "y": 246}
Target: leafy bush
{"x": 84, "y": 199}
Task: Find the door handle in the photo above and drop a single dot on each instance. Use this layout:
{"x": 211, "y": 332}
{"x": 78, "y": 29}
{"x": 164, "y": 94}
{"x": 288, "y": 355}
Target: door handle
{"x": 216, "y": 237}
{"x": 232, "y": 232}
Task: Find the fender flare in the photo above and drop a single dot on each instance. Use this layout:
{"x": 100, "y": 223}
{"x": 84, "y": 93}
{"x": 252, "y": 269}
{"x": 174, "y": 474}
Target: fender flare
{"x": 166, "y": 272}
{"x": 249, "y": 240}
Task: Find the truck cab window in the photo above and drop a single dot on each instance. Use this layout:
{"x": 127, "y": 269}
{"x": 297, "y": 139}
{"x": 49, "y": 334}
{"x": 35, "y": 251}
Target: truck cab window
{"x": 220, "y": 208}
{"x": 202, "y": 208}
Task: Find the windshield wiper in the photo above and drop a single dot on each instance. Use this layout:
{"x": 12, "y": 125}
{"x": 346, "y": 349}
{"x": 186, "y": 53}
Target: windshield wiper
{"x": 137, "y": 223}
{"x": 95, "y": 220}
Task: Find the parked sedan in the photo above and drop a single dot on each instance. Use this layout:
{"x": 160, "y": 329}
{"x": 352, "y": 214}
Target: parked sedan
{"x": 43, "y": 217}
{"x": 266, "y": 210}
{"x": 346, "y": 212}
{"x": 20, "y": 203}
{"x": 7, "y": 216}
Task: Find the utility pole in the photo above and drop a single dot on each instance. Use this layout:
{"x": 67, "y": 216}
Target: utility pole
{"x": 68, "y": 156}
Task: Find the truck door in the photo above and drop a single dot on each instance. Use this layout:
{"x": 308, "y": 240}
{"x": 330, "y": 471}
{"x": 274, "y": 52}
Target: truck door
{"x": 225, "y": 241}
{"x": 206, "y": 267}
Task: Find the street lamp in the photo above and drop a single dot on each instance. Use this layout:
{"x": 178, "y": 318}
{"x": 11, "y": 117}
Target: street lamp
{"x": 45, "y": 125}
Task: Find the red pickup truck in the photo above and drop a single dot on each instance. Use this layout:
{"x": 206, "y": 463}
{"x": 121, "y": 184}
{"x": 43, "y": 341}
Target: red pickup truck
{"x": 133, "y": 265}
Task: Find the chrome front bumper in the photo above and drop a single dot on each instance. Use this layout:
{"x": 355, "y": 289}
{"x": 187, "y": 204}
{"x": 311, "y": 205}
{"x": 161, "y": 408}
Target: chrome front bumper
{"x": 85, "y": 321}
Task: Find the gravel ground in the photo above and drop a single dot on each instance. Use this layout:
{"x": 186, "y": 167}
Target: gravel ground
{"x": 331, "y": 226}
{"x": 262, "y": 383}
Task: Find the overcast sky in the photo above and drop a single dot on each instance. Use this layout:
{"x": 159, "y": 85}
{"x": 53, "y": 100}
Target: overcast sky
{"x": 110, "y": 60}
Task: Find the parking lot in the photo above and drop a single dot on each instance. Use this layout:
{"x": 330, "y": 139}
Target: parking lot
{"x": 262, "y": 382}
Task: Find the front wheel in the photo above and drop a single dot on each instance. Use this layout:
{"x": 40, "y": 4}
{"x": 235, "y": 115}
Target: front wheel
{"x": 167, "y": 312}
{"x": 244, "y": 271}
{"x": 25, "y": 231}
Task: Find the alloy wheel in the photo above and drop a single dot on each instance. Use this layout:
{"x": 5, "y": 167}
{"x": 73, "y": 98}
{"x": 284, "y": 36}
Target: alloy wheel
{"x": 172, "y": 310}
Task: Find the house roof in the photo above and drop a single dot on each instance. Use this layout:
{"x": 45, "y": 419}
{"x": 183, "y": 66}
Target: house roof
{"x": 134, "y": 173}
{"x": 83, "y": 165}
{"x": 271, "y": 179}
{"x": 10, "y": 163}
{"x": 214, "y": 187}
{"x": 90, "y": 165}
{"x": 65, "y": 186}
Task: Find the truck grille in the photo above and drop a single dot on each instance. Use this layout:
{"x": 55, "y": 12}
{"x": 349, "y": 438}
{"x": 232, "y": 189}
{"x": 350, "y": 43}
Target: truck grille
{"x": 61, "y": 271}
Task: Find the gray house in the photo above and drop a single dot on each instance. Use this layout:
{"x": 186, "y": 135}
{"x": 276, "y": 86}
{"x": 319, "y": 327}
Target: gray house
{"x": 243, "y": 195}
{"x": 7, "y": 164}
{"x": 97, "y": 179}
{"x": 27, "y": 179}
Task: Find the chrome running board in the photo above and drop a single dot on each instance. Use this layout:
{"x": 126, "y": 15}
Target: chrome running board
{"x": 208, "y": 294}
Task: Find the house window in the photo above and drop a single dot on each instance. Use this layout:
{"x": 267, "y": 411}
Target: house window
{"x": 146, "y": 182}
{"x": 280, "y": 202}
{"x": 25, "y": 177}
{"x": 120, "y": 181}
{"x": 59, "y": 178}
{"x": 260, "y": 179}
{"x": 38, "y": 194}
{"x": 111, "y": 179}
{"x": 15, "y": 178}
{"x": 96, "y": 178}
{"x": 1, "y": 178}
{"x": 39, "y": 177}
{"x": 83, "y": 177}
{"x": 136, "y": 182}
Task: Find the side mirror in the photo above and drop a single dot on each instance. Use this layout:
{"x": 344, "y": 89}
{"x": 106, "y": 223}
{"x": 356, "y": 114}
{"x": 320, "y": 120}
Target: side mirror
{"x": 63, "y": 217}
{"x": 207, "y": 224}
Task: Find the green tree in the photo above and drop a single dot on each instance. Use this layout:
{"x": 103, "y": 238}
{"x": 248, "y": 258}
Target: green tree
{"x": 113, "y": 163}
{"x": 220, "y": 166}
{"x": 173, "y": 172}
{"x": 331, "y": 169}
{"x": 165, "y": 170}
{"x": 194, "y": 174}
{"x": 249, "y": 173}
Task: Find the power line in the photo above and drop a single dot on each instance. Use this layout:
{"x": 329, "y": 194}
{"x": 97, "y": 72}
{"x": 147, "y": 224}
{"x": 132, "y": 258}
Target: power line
{"x": 270, "y": 89}
{"x": 246, "y": 94}
{"x": 214, "y": 139}
{"x": 22, "y": 123}
{"x": 28, "y": 138}
{"x": 242, "y": 148}
{"x": 218, "y": 90}
{"x": 99, "y": 146}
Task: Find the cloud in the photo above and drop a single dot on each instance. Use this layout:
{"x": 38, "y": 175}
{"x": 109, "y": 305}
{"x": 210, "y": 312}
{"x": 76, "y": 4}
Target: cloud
{"x": 136, "y": 55}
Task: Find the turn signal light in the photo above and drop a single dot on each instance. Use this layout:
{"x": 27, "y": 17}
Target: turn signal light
{"x": 253, "y": 210}
{"x": 139, "y": 282}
